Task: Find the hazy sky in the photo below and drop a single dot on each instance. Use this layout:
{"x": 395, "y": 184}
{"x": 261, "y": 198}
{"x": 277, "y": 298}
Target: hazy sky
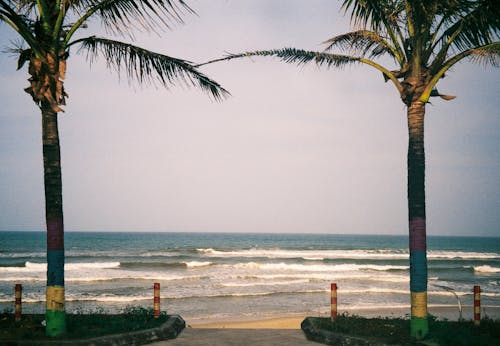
{"x": 293, "y": 150}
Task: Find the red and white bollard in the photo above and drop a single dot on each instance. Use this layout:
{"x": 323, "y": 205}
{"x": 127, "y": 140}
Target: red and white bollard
{"x": 477, "y": 305}
{"x": 156, "y": 306}
{"x": 333, "y": 301}
{"x": 18, "y": 307}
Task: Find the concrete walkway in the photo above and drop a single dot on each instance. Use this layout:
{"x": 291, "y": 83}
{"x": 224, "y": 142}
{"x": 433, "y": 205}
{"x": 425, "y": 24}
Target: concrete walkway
{"x": 239, "y": 337}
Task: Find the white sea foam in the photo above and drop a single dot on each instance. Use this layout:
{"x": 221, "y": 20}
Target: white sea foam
{"x": 341, "y": 254}
{"x": 22, "y": 279}
{"x": 486, "y": 269}
{"x": 306, "y": 254}
{"x": 461, "y": 255}
{"x": 317, "y": 267}
{"x": 328, "y": 277}
{"x": 268, "y": 283}
{"x": 135, "y": 276}
{"x": 42, "y": 267}
{"x": 196, "y": 264}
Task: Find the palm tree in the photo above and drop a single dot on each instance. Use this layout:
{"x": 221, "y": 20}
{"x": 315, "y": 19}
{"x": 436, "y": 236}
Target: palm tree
{"x": 48, "y": 29}
{"x": 424, "y": 39}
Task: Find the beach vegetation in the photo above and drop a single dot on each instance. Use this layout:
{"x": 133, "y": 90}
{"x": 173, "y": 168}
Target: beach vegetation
{"x": 49, "y": 32}
{"x": 83, "y": 324}
{"x": 413, "y": 44}
{"x": 394, "y": 331}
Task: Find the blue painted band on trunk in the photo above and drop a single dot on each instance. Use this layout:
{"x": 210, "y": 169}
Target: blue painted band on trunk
{"x": 55, "y": 268}
{"x": 418, "y": 271}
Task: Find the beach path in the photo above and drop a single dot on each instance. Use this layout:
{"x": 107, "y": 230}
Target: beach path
{"x": 275, "y": 331}
{"x": 238, "y": 337}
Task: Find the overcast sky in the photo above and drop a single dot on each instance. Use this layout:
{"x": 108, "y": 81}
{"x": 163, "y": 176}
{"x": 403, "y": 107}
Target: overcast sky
{"x": 294, "y": 149}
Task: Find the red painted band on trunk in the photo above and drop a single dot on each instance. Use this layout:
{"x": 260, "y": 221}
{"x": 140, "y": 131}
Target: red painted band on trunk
{"x": 333, "y": 300}
{"x": 417, "y": 234}
{"x": 55, "y": 235}
{"x": 156, "y": 299}
{"x": 477, "y": 303}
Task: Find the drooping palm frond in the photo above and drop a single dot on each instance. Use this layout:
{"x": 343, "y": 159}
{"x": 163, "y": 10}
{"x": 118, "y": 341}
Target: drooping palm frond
{"x": 295, "y": 56}
{"x": 362, "y": 43}
{"x": 489, "y": 55}
{"x": 148, "y": 67}
{"x": 302, "y": 57}
{"x": 120, "y": 16}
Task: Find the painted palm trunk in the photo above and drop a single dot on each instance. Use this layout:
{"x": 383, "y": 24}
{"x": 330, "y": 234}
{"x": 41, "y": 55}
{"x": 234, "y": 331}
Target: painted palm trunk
{"x": 417, "y": 222}
{"x": 55, "y": 312}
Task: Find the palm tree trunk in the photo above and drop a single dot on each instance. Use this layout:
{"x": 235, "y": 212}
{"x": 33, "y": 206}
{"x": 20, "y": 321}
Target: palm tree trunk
{"x": 55, "y": 314}
{"x": 417, "y": 222}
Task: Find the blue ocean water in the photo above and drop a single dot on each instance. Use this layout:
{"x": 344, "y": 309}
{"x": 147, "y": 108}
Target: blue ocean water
{"x": 222, "y": 275}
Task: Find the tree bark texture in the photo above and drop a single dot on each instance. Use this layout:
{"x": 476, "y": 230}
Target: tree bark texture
{"x": 417, "y": 220}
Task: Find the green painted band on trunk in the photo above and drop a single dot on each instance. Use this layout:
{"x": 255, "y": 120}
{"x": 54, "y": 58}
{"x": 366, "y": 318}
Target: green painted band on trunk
{"x": 419, "y": 327}
{"x": 56, "y": 322}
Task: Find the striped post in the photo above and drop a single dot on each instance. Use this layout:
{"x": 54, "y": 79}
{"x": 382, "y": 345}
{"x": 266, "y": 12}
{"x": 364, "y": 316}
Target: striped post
{"x": 477, "y": 305}
{"x": 333, "y": 301}
{"x": 18, "y": 292}
{"x": 419, "y": 326}
{"x": 156, "y": 309}
{"x": 55, "y": 314}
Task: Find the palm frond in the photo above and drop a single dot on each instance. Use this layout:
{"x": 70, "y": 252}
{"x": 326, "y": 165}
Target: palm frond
{"x": 489, "y": 54}
{"x": 149, "y": 67}
{"x": 119, "y": 16}
{"x": 19, "y": 22}
{"x": 295, "y": 56}
{"x": 473, "y": 24}
{"x": 362, "y": 43}
{"x": 376, "y": 14}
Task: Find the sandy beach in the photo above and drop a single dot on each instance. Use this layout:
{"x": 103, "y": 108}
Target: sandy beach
{"x": 273, "y": 323}
{"x": 293, "y": 322}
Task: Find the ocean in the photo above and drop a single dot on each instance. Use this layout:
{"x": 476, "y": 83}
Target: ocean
{"x": 224, "y": 276}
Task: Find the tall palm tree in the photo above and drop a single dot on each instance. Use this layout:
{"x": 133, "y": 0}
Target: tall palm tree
{"x": 424, "y": 39}
{"x": 48, "y": 30}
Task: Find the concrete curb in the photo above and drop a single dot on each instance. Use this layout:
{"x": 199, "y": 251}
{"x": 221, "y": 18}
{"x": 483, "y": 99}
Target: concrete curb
{"x": 169, "y": 330}
{"x": 326, "y": 337}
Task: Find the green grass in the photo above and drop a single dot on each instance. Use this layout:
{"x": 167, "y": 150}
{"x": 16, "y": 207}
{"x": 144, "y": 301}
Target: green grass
{"x": 80, "y": 325}
{"x": 397, "y": 330}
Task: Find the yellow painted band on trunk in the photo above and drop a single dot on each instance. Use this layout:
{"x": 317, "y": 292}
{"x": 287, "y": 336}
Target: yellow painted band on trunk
{"x": 55, "y": 298}
{"x": 419, "y": 304}
{"x": 18, "y": 294}
{"x": 477, "y": 296}
{"x": 477, "y": 309}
